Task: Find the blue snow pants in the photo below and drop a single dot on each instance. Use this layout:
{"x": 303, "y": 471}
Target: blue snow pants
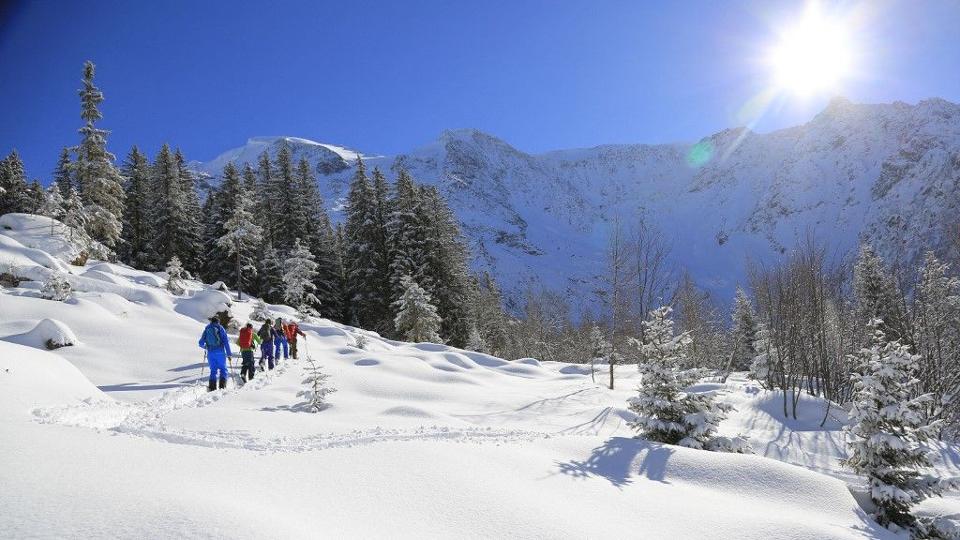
{"x": 281, "y": 343}
{"x": 266, "y": 353}
{"x": 218, "y": 363}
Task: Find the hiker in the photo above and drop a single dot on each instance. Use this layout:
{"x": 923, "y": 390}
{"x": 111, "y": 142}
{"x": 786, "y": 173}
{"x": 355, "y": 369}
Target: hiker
{"x": 248, "y": 342}
{"x": 266, "y": 343}
{"x": 293, "y": 330}
{"x": 280, "y": 341}
{"x": 214, "y": 339}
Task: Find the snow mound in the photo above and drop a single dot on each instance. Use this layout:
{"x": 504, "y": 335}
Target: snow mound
{"x": 32, "y": 378}
{"x": 204, "y": 304}
{"x": 47, "y": 334}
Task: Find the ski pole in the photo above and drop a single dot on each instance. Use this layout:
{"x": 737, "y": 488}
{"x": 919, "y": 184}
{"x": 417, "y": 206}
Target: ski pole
{"x": 202, "y": 367}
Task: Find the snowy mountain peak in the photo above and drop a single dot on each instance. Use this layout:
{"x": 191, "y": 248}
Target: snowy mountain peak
{"x": 885, "y": 173}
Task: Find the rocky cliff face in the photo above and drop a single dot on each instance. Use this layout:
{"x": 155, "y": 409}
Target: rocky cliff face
{"x": 885, "y": 173}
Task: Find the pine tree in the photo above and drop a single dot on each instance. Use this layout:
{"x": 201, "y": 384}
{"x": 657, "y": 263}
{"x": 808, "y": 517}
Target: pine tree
{"x": 174, "y": 212}
{"x": 136, "y": 235}
{"x": 56, "y": 288}
{"x": 310, "y": 216}
{"x": 407, "y": 235}
{"x": 175, "y": 276}
{"x": 36, "y": 198}
{"x": 14, "y": 192}
{"x": 417, "y": 319}
{"x": 270, "y": 283}
{"x": 744, "y": 331}
{"x": 99, "y": 181}
{"x": 937, "y": 321}
{"x": 75, "y": 214}
{"x": 887, "y": 434}
{"x": 317, "y": 389}
{"x": 600, "y": 350}
{"x": 489, "y": 315}
{"x": 62, "y": 175}
{"x": 877, "y": 296}
{"x": 665, "y": 411}
{"x": 260, "y": 311}
{"x": 240, "y": 237}
{"x": 475, "y": 341}
{"x": 287, "y": 214}
{"x": 267, "y": 211}
{"x": 301, "y": 271}
{"x": 52, "y": 206}
{"x": 763, "y": 366}
{"x": 361, "y": 256}
{"x": 447, "y": 271}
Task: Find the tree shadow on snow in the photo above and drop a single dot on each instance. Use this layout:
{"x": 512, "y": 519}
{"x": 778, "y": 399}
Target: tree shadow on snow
{"x": 303, "y": 406}
{"x": 619, "y": 459}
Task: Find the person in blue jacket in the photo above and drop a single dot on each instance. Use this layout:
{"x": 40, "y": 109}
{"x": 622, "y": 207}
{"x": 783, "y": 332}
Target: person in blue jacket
{"x": 217, "y": 344}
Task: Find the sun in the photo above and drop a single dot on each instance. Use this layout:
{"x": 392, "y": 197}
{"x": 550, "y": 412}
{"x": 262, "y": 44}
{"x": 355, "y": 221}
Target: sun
{"x": 812, "y": 57}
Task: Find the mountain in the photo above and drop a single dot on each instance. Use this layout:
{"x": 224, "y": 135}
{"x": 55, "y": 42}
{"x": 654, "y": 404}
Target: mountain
{"x": 885, "y": 173}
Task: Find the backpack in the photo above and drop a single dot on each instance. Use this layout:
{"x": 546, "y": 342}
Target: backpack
{"x": 211, "y": 337}
{"x": 264, "y": 332}
{"x": 246, "y": 338}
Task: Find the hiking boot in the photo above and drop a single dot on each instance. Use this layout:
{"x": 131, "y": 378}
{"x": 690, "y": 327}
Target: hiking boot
{"x": 212, "y": 385}
{"x": 223, "y": 383}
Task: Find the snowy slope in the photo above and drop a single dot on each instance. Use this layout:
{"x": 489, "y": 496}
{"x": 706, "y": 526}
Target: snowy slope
{"x": 888, "y": 172}
{"x": 421, "y": 440}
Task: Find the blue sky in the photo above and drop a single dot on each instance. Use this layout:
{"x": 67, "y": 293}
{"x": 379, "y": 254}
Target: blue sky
{"x": 386, "y": 77}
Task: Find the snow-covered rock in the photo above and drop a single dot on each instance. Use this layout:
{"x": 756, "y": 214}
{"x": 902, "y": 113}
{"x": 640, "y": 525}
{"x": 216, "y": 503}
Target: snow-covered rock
{"x": 204, "y": 304}
{"x": 47, "y": 334}
{"x": 886, "y": 173}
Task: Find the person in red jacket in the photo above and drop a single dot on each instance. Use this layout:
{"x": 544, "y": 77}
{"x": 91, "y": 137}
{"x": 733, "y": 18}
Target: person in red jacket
{"x": 292, "y": 331}
{"x": 246, "y": 342}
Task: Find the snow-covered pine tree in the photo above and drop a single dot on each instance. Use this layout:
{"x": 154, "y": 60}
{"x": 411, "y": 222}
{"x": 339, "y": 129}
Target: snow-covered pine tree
{"x": 300, "y": 272}
{"x": 136, "y": 235}
{"x": 176, "y": 276}
{"x": 665, "y": 411}
{"x": 285, "y": 219}
{"x": 937, "y": 322}
{"x": 887, "y": 433}
{"x": 36, "y": 199}
{"x": 241, "y": 234}
{"x": 270, "y": 275}
{"x": 407, "y": 232}
{"x": 876, "y": 295}
{"x": 56, "y": 288}
{"x": 744, "y": 331}
{"x": 447, "y": 268}
{"x": 267, "y": 211}
{"x": 312, "y": 217}
{"x": 14, "y": 191}
{"x": 100, "y": 182}
{"x": 600, "y": 350}
{"x": 475, "y": 340}
{"x": 317, "y": 388}
{"x": 260, "y": 311}
{"x": 361, "y": 257}
{"x": 174, "y": 212}
{"x": 75, "y": 214}
{"x": 489, "y": 315}
{"x": 62, "y": 175}
{"x": 417, "y": 319}
{"x": 52, "y": 206}
{"x": 763, "y": 366}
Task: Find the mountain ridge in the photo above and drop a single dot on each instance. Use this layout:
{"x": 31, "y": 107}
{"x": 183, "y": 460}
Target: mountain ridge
{"x": 885, "y": 173}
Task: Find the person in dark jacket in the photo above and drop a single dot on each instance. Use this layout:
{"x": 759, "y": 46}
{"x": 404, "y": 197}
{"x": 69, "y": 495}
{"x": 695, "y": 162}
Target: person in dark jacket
{"x": 214, "y": 339}
{"x": 266, "y": 334}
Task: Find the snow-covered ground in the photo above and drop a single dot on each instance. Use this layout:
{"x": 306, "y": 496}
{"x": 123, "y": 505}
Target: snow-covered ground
{"x": 115, "y": 435}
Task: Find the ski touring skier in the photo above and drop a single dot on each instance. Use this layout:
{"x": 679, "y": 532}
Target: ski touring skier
{"x": 266, "y": 333}
{"x": 280, "y": 340}
{"x": 248, "y": 342}
{"x": 215, "y": 341}
{"x": 293, "y": 330}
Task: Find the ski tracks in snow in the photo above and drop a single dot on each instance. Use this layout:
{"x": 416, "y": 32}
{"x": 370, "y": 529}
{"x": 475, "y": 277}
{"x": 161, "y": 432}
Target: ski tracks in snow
{"x": 145, "y": 419}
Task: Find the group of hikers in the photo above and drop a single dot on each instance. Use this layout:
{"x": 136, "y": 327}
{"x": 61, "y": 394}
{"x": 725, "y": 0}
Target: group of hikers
{"x": 273, "y": 338}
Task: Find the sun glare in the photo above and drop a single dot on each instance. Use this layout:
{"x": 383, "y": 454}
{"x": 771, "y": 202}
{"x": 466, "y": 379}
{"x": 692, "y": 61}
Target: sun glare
{"x": 813, "y": 56}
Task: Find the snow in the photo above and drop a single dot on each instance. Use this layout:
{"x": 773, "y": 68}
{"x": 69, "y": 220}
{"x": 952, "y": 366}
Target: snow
{"x": 47, "y": 334}
{"x": 116, "y": 436}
